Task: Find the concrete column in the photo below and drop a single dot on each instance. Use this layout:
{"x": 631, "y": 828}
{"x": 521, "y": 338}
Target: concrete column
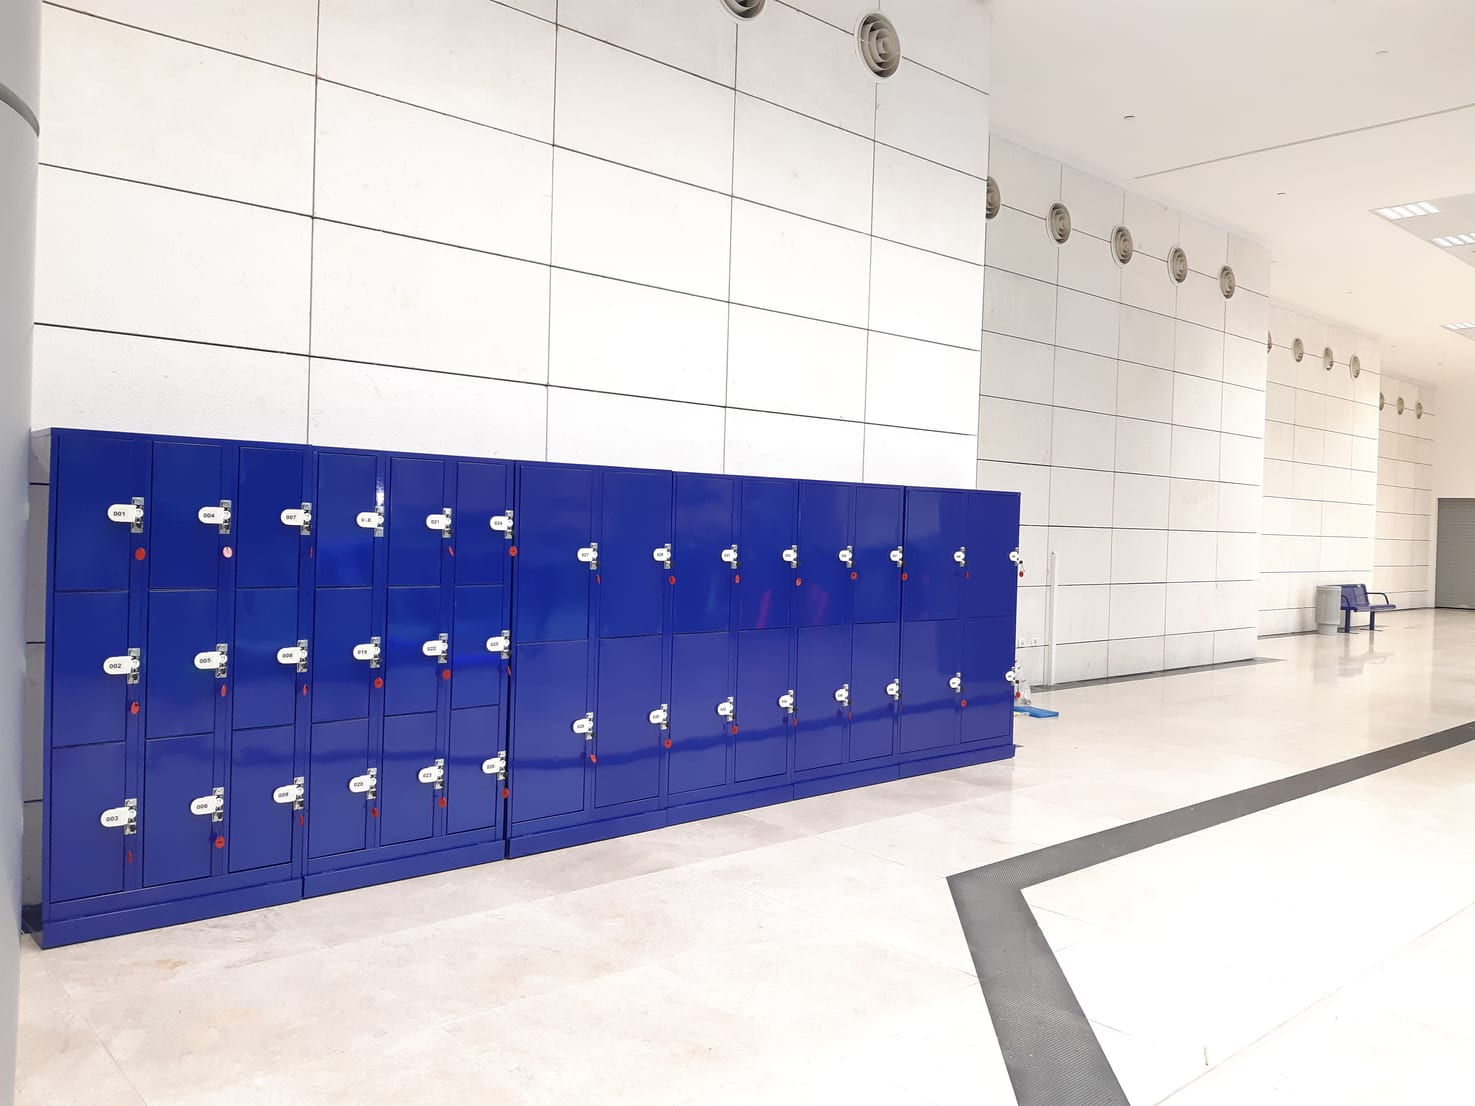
{"x": 20, "y": 88}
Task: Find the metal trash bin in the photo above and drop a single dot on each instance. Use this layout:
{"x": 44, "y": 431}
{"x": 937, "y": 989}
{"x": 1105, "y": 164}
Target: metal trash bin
{"x": 1328, "y": 608}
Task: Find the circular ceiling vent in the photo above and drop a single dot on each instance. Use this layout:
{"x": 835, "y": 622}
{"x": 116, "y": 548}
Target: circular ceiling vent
{"x": 1382, "y": 401}
{"x": 1226, "y": 282}
{"x": 1328, "y": 359}
{"x": 994, "y": 200}
{"x": 744, "y": 9}
{"x": 879, "y": 45}
{"x": 1057, "y": 222}
{"x": 1298, "y": 349}
{"x": 1177, "y": 265}
{"x": 1400, "y": 405}
{"x": 1121, "y": 245}
{"x": 1419, "y": 409}
{"x": 1355, "y": 366}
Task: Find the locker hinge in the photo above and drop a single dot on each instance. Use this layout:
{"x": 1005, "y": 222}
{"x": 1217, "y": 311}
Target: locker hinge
{"x": 441, "y": 522}
{"x": 791, "y": 556}
{"x": 300, "y": 517}
{"x": 130, "y": 513}
{"x": 212, "y": 805}
{"x": 847, "y": 556}
{"x": 842, "y": 695}
{"x": 956, "y": 683}
{"x": 372, "y": 520}
{"x": 293, "y": 794}
{"x": 661, "y": 716}
{"x": 662, "y": 556}
{"x": 584, "y": 726}
{"x": 589, "y": 555}
{"x": 496, "y": 766}
{"x": 501, "y": 644}
{"x": 896, "y": 557}
{"x": 502, "y": 524}
{"x": 368, "y": 651}
{"x": 439, "y": 648}
{"x": 126, "y": 665}
{"x": 218, "y": 517}
{"x": 961, "y": 556}
{"x": 294, "y": 655}
{"x": 727, "y": 709}
{"x": 434, "y": 774}
{"x": 216, "y": 660}
{"x": 893, "y": 689}
{"x": 786, "y": 701}
{"x": 730, "y": 556}
{"x": 123, "y": 817}
{"x": 366, "y": 785}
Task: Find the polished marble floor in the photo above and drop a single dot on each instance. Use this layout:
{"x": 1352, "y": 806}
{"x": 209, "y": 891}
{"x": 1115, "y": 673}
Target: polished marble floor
{"x": 1321, "y": 951}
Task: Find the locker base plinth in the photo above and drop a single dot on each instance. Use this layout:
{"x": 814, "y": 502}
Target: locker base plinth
{"x": 91, "y": 927}
{"x": 844, "y": 778}
{"x": 530, "y": 843}
{"x": 405, "y": 867}
{"x": 729, "y": 804}
{"x": 956, "y": 758}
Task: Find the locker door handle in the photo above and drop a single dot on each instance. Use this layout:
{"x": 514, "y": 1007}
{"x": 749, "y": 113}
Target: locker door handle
{"x": 791, "y": 556}
{"x": 292, "y": 794}
{"x": 842, "y": 695}
{"x": 846, "y": 556}
{"x": 218, "y": 517}
{"x": 501, "y": 644}
{"x": 369, "y": 651}
{"x": 1012, "y": 676}
{"x": 893, "y": 689}
{"x": 495, "y": 766}
{"x": 502, "y": 524}
{"x": 1017, "y": 561}
{"x": 661, "y": 716}
{"x": 126, "y": 665}
{"x": 440, "y": 522}
{"x": 130, "y": 514}
{"x": 366, "y": 785}
{"x": 434, "y": 774}
{"x": 294, "y": 655}
{"x": 786, "y": 701}
{"x": 216, "y": 660}
{"x": 956, "y": 683}
{"x": 727, "y": 709}
{"x": 123, "y": 817}
{"x": 730, "y": 556}
{"x": 438, "y": 647}
{"x": 211, "y": 805}
{"x": 589, "y": 555}
{"x": 961, "y": 556}
{"x": 584, "y": 726}
{"x": 662, "y": 555}
{"x": 896, "y": 557}
{"x": 300, "y": 518}
{"x": 372, "y": 520}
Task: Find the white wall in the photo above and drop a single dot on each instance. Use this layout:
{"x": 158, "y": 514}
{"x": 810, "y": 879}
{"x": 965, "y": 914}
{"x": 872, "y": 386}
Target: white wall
{"x": 1404, "y": 552}
{"x": 1321, "y": 465}
{"x": 1129, "y": 411}
{"x": 643, "y": 234}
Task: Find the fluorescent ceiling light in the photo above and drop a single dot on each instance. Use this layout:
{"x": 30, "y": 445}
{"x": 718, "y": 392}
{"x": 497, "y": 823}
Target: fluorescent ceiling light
{"x": 1459, "y": 326}
{"x": 1408, "y": 211}
{"x": 1455, "y": 240}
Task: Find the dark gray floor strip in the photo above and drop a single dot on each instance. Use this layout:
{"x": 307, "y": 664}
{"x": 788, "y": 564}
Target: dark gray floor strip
{"x": 1100, "y": 680}
{"x": 1050, "y": 1049}
{"x": 11, "y": 99}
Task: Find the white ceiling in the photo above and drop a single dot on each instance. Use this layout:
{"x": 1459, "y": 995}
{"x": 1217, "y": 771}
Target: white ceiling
{"x": 1279, "y": 118}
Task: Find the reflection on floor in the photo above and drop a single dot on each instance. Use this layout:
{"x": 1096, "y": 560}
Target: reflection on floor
{"x": 1317, "y": 952}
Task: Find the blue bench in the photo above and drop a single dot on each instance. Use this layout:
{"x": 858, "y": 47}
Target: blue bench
{"x": 1355, "y": 601}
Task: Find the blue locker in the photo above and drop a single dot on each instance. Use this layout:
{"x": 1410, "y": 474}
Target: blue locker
{"x": 822, "y": 672}
{"x": 407, "y": 806}
{"x": 337, "y": 817}
{"x": 473, "y": 794}
{"x": 342, "y": 620}
{"x": 767, "y": 535}
{"x": 548, "y": 756}
{"x": 555, "y": 565}
{"x": 761, "y": 747}
{"x": 479, "y": 622}
{"x": 935, "y": 533}
{"x": 483, "y": 494}
{"x": 988, "y": 654}
{"x": 269, "y": 482}
{"x": 635, "y": 522}
{"x": 931, "y": 656}
{"x": 349, "y": 494}
{"x": 700, "y": 735}
{"x": 84, "y": 858}
{"x": 875, "y": 669}
{"x": 416, "y": 496}
{"x": 826, "y": 553}
{"x": 177, "y": 844}
{"x": 411, "y": 677}
{"x": 90, "y": 474}
{"x": 184, "y": 552}
{"x": 991, "y": 579}
{"x": 181, "y": 697}
{"x": 263, "y": 690}
{"x": 878, "y": 534}
{"x": 88, "y": 706}
{"x": 628, "y": 746}
{"x": 704, "y": 530}
{"x": 260, "y": 830}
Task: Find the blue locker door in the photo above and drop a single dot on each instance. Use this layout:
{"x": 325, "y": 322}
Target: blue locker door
{"x": 703, "y": 529}
{"x": 822, "y": 669}
{"x": 260, "y": 830}
{"x": 701, "y": 681}
{"x": 930, "y": 656}
{"x": 473, "y": 795}
{"x": 92, "y": 473}
{"x": 263, "y": 691}
{"x": 87, "y": 705}
{"x": 348, "y": 485}
{"x": 342, "y": 619}
{"x": 877, "y": 588}
{"x": 177, "y": 845}
{"x": 635, "y": 521}
{"x": 483, "y": 492}
{"x": 548, "y": 757}
{"x": 181, "y": 698}
{"x": 988, "y": 653}
{"x": 337, "y": 818}
{"x": 83, "y": 858}
{"x": 824, "y": 532}
{"x": 762, "y": 742}
{"x": 183, "y": 551}
{"x": 407, "y": 806}
{"x": 767, "y": 527}
{"x": 875, "y": 663}
{"x": 417, "y": 490}
{"x": 411, "y": 679}
{"x": 627, "y": 745}
{"x": 555, "y": 519}
{"x": 266, "y": 549}
{"x": 477, "y": 672}
{"x": 934, "y": 533}
{"x": 991, "y": 579}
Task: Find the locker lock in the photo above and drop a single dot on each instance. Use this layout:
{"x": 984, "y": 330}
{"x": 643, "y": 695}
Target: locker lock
{"x": 211, "y": 806}
{"x": 440, "y": 522}
{"x": 438, "y": 647}
{"x": 216, "y": 660}
{"x": 961, "y": 556}
{"x": 847, "y": 556}
{"x": 791, "y": 556}
{"x": 786, "y": 701}
{"x": 130, "y": 514}
{"x": 842, "y": 695}
{"x": 496, "y": 766}
{"x": 727, "y": 710}
{"x": 661, "y": 716}
{"x": 1012, "y": 676}
{"x": 366, "y": 785}
{"x": 1018, "y": 561}
{"x": 589, "y": 555}
{"x": 295, "y": 655}
{"x": 127, "y": 665}
{"x": 896, "y": 557}
{"x": 584, "y": 726}
{"x": 502, "y": 524}
{"x": 368, "y": 651}
{"x": 298, "y": 517}
{"x": 662, "y": 556}
{"x": 501, "y": 644}
{"x": 372, "y": 520}
{"x": 218, "y": 517}
{"x": 893, "y": 689}
{"x": 123, "y": 817}
{"x": 956, "y": 683}
{"x": 434, "y": 774}
{"x": 730, "y": 556}
{"x": 292, "y": 794}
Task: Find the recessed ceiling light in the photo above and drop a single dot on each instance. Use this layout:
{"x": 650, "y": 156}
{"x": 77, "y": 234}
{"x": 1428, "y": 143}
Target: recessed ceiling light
{"x": 1129, "y": 118}
{"x": 1459, "y": 326}
{"x": 1455, "y": 240}
{"x": 1408, "y": 211}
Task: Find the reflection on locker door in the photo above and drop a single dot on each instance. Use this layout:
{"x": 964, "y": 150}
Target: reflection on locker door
{"x": 412, "y": 677}
{"x": 988, "y": 655}
{"x": 177, "y": 845}
{"x": 343, "y": 622}
{"x": 270, "y": 483}
{"x": 407, "y": 805}
{"x": 478, "y": 640}
{"x": 635, "y": 523}
{"x": 88, "y": 705}
{"x": 878, "y": 534}
{"x": 930, "y": 659}
{"x": 767, "y": 553}
{"x": 704, "y": 533}
{"x": 826, "y": 554}
{"x": 184, "y": 550}
{"x": 349, "y": 501}
{"x": 338, "y": 815}
{"x": 823, "y": 687}
{"x": 263, "y": 689}
{"x": 548, "y": 753}
{"x": 181, "y": 695}
{"x": 556, "y": 559}
{"x": 627, "y": 745}
{"x": 473, "y": 786}
{"x": 764, "y": 721}
{"x": 416, "y": 496}
{"x": 84, "y": 858}
{"x": 259, "y": 828}
{"x": 875, "y": 671}
{"x": 934, "y": 536}
{"x": 991, "y": 578}
{"x": 91, "y": 474}
{"x": 701, "y": 685}
{"x": 483, "y": 493}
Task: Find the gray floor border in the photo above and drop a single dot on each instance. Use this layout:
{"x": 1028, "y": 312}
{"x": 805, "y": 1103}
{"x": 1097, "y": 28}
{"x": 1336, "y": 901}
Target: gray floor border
{"x": 1049, "y": 1047}
{"x": 1193, "y": 670}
